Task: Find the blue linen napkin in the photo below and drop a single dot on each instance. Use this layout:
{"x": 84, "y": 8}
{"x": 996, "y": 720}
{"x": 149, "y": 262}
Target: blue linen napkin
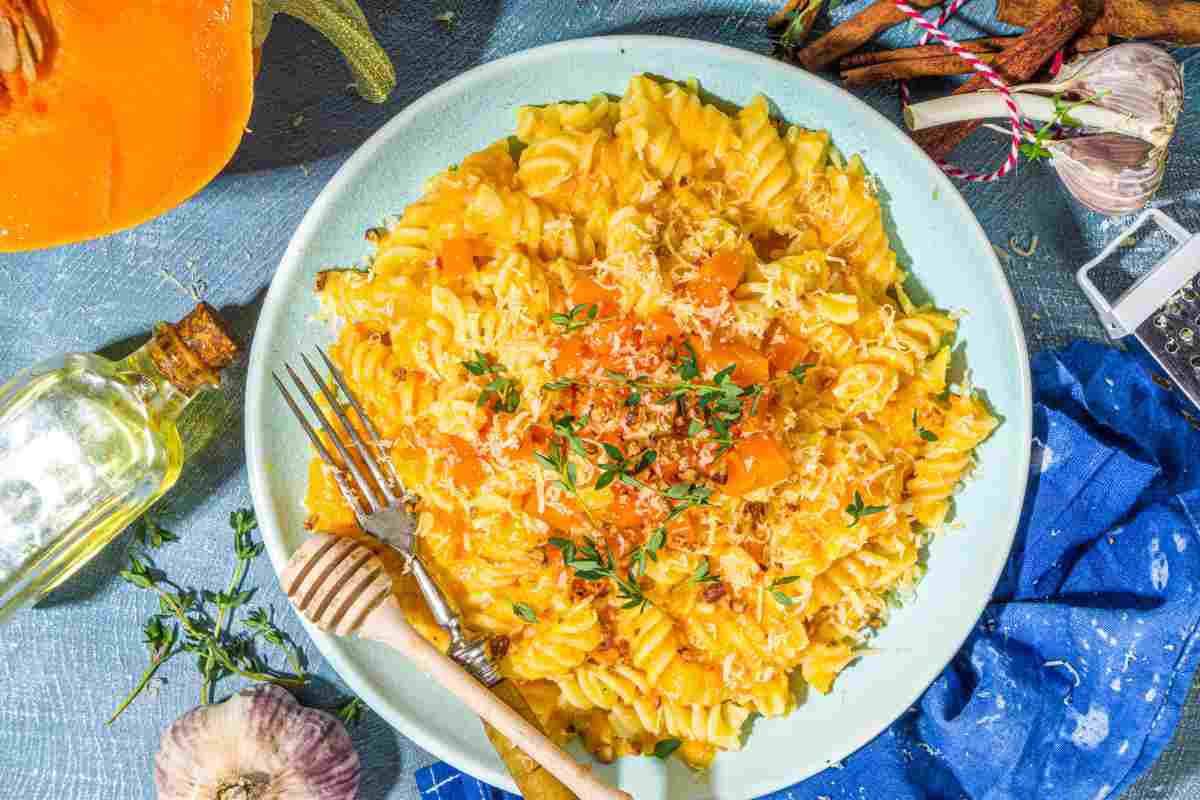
{"x": 1073, "y": 680}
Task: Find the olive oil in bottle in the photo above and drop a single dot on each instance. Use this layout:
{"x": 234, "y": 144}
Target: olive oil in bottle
{"x": 88, "y": 444}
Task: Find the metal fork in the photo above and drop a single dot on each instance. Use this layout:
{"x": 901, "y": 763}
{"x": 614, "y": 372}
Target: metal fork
{"x": 382, "y": 508}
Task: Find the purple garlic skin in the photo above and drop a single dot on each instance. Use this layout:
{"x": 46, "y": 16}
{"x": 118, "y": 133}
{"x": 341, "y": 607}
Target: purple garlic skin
{"x": 1108, "y": 172}
{"x": 260, "y": 744}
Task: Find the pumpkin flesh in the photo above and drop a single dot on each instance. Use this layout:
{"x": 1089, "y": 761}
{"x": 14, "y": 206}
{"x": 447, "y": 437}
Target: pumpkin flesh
{"x": 136, "y": 105}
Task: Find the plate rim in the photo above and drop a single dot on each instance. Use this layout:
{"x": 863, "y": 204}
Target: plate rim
{"x": 257, "y": 386}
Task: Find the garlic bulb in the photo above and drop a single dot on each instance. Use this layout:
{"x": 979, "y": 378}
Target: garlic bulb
{"x": 259, "y": 744}
{"x": 1108, "y": 172}
{"x": 1140, "y": 81}
{"x": 1136, "y": 94}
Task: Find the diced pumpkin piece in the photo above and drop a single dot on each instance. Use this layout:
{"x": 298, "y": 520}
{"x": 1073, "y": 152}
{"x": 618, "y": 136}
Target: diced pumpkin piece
{"x": 467, "y": 469}
{"x": 785, "y": 351}
{"x": 458, "y": 258}
{"x": 750, "y": 366}
{"x": 586, "y": 291}
{"x": 571, "y": 355}
{"x": 725, "y": 269}
{"x": 550, "y": 513}
{"x": 755, "y": 462}
{"x": 661, "y": 328}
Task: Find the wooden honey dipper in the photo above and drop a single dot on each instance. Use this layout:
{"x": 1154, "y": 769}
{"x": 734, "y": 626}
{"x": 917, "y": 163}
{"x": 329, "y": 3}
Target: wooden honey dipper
{"x": 342, "y": 587}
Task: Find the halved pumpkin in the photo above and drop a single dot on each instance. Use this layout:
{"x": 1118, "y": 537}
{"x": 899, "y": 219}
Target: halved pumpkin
{"x": 112, "y": 113}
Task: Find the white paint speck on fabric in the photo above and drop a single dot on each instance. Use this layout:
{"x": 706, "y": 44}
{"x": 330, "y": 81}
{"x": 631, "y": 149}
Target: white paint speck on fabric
{"x": 1102, "y": 792}
{"x": 1160, "y": 569}
{"x": 1043, "y": 455}
{"x": 1091, "y": 729}
{"x": 1180, "y": 542}
{"x": 1001, "y": 703}
{"x": 1123, "y": 748}
{"x": 1151, "y": 694}
{"x": 1115, "y": 685}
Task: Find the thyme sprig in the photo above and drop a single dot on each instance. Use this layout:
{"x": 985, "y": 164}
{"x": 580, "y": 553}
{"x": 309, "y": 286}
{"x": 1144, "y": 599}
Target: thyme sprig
{"x": 858, "y": 510}
{"x": 590, "y": 564}
{"x": 502, "y": 391}
{"x": 1036, "y": 150}
{"x": 187, "y": 623}
{"x": 578, "y": 317}
{"x": 351, "y": 711}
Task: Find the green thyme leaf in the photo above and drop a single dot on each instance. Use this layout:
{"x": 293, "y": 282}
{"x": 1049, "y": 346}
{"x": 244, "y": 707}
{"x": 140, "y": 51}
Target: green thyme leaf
{"x": 578, "y": 317}
{"x": 800, "y": 371}
{"x": 351, "y": 711}
{"x": 702, "y": 574}
{"x": 783, "y": 599}
{"x": 151, "y": 535}
{"x": 928, "y": 436}
{"x": 525, "y": 612}
{"x": 665, "y": 747}
{"x": 858, "y": 510}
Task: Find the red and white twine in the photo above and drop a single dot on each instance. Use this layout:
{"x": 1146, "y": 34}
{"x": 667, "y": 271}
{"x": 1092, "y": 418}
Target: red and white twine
{"x": 933, "y": 29}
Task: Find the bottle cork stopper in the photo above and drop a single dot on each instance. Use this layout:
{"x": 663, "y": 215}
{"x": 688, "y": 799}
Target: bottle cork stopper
{"x": 192, "y": 352}
{"x": 207, "y": 335}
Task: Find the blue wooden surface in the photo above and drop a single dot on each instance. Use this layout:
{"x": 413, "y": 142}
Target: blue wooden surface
{"x": 64, "y": 664}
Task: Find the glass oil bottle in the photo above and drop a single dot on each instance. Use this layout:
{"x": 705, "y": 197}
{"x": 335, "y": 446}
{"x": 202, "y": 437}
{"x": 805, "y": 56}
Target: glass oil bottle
{"x": 88, "y": 444}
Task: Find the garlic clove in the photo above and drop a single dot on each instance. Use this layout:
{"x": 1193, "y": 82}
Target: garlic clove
{"x": 1108, "y": 172}
{"x": 1141, "y": 80}
{"x": 260, "y": 744}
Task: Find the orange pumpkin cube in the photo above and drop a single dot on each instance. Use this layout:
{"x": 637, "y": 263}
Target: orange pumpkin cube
{"x": 755, "y": 462}
{"x": 586, "y": 292}
{"x": 458, "y": 258}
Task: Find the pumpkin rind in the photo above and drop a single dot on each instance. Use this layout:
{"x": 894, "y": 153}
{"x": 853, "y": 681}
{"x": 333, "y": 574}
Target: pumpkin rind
{"x": 136, "y": 106}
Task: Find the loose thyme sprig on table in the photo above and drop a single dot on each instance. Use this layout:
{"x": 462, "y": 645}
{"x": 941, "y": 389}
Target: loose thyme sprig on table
{"x": 186, "y": 622}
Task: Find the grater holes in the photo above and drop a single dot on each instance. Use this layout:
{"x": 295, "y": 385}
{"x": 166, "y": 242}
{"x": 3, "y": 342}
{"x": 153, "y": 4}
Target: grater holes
{"x": 1160, "y": 321}
{"x": 1189, "y": 295}
{"x": 1171, "y": 346}
{"x": 1195, "y": 362}
{"x": 1174, "y": 309}
{"x": 1186, "y": 335}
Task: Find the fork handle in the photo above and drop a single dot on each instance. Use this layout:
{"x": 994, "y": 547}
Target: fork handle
{"x": 387, "y": 624}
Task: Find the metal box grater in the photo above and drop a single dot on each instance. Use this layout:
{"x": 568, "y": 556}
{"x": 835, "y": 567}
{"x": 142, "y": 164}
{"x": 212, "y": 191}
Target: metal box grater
{"x": 1162, "y": 308}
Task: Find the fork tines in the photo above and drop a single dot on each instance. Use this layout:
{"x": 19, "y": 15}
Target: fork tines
{"x": 360, "y": 487}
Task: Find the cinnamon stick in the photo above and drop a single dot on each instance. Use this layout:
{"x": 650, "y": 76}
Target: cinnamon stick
{"x": 854, "y": 33}
{"x": 1016, "y": 63}
{"x": 987, "y": 45}
{"x": 1176, "y": 21}
{"x": 949, "y": 64}
{"x": 1089, "y": 42}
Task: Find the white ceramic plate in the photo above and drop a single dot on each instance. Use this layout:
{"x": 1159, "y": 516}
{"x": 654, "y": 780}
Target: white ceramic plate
{"x": 938, "y": 239}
